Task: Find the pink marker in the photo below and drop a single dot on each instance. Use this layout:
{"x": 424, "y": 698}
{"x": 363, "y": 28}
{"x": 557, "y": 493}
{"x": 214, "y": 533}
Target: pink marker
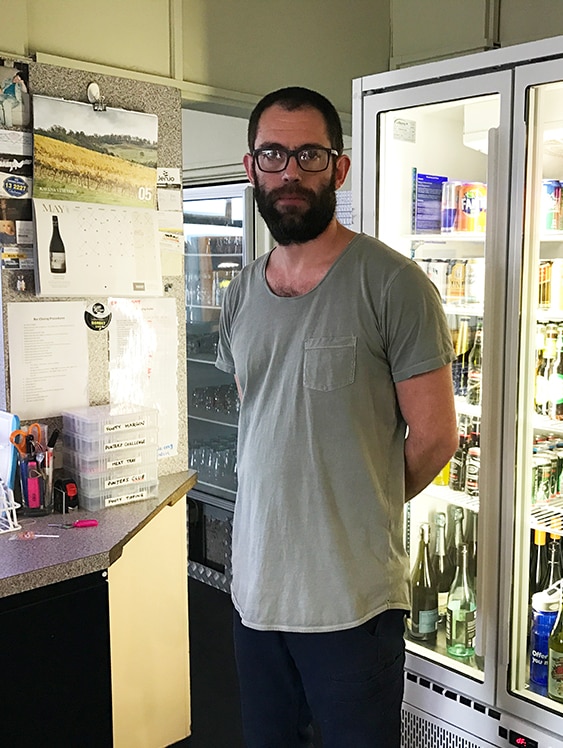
{"x": 33, "y": 487}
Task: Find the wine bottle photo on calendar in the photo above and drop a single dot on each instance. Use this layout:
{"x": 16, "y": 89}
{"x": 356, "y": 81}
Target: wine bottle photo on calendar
{"x": 57, "y": 253}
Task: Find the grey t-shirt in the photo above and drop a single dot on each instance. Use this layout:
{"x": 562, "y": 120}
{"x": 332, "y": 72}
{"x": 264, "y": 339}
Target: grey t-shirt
{"x": 318, "y": 523}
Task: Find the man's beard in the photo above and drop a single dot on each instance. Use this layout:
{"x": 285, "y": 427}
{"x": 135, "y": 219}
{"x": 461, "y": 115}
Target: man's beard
{"x": 295, "y": 226}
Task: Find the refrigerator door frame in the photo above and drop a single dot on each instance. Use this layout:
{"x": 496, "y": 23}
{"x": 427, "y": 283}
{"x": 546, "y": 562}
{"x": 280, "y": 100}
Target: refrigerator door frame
{"x": 517, "y": 339}
{"x": 368, "y": 104}
{"x": 257, "y": 239}
{"x": 457, "y": 68}
{"x": 218, "y": 495}
{"x": 224, "y": 191}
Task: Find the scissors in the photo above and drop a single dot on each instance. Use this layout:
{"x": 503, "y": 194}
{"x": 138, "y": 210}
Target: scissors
{"x": 20, "y": 438}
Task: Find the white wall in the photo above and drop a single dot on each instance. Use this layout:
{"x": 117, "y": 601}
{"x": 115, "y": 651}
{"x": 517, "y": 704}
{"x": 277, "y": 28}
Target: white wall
{"x": 214, "y": 144}
{"x": 224, "y": 52}
{"x": 255, "y": 46}
{"x": 528, "y": 20}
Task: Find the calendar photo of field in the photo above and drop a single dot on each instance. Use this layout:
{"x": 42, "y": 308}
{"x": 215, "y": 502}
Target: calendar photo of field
{"x": 82, "y": 155}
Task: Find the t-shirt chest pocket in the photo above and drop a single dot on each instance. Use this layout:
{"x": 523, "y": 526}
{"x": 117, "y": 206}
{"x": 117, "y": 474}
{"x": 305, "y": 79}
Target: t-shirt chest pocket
{"x": 330, "y": 362}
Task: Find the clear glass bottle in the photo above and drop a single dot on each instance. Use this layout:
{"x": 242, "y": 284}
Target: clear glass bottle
{"x": 554, "y": 562}
{"x": 456, "y": 533}
{"x": 470, "y": 538}
{"x": 539, "y": 569}
{"x": 424, "y": 611}
{"x": 474, "y": 369}
{"x": 461, "y": 612}
{"x": 443, "y": 568}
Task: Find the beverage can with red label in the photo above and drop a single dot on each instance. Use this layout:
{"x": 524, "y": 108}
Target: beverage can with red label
{"x": 450, "y": 206}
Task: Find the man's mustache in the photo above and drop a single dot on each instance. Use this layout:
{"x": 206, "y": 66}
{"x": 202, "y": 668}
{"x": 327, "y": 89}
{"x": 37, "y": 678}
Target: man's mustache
{"x": 291, "y": 191}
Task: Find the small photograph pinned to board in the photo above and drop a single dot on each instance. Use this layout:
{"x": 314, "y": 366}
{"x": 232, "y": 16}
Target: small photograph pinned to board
{"x": 15, "y": 109}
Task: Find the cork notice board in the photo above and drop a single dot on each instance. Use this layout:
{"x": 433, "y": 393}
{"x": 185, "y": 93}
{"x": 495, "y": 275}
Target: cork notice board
{"x": 119, "y": 93}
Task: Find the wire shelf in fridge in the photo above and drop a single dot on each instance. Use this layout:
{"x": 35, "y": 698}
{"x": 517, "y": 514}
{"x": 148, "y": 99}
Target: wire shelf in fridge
{"x": 548, "y": 515}
{"x": 459, "y": 498}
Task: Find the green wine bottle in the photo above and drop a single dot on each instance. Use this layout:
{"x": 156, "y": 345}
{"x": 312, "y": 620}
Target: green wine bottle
{"x": 424, "y": 613}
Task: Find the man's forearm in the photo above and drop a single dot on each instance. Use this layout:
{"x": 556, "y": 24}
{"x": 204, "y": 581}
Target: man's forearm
{"x": 423, "y": 462}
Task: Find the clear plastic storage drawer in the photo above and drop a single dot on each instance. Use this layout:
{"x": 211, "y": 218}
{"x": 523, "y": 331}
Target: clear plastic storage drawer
{"x": 118, "y": 495}
{"x": 88, "y": 464}
{"x": 121, "y": 478}
{"x": 109, "y": 444}
{"x": 98, "y": 421}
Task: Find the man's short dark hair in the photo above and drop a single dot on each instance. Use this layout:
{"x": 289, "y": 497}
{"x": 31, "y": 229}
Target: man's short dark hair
{"x": 292, "y": 98}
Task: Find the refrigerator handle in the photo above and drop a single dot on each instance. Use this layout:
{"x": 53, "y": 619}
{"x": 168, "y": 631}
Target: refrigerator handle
{"x": 489, "y": 510}
{"x": 248, "y": 227}
{"x": 256, "y": 235}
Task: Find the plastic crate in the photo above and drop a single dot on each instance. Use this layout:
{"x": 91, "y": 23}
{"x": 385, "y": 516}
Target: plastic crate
{"x": 109, "y": 462}
{"x": 99, "y": 421}
{"x": 118, "y": 496}
{"x": 122, "y": 478}
{"x": 109, "y": 443}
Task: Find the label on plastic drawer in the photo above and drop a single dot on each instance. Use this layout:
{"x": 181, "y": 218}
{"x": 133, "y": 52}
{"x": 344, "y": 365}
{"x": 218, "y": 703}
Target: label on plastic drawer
{"x": 138, "y": 423}
{"x": 125, "y": 480}
{"x": 136, "y": 496}
{"x": 113, "y": 446}
{"x": 123, "y": 462}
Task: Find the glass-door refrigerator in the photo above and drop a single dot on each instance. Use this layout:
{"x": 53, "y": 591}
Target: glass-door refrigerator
{"x": 531, "y": 653}
{"x": 457, "y": 165}
{"x": 219, "y": 238}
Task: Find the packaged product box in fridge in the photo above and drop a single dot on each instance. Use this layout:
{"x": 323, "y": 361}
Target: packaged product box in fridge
{"x": 426, "y": 203}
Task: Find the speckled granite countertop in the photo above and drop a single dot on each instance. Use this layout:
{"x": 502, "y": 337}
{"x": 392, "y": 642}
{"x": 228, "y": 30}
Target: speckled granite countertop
{"x": 28, "y": 564}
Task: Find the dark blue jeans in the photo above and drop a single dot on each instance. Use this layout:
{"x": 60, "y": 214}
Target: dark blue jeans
{"x": 350, "y": 682}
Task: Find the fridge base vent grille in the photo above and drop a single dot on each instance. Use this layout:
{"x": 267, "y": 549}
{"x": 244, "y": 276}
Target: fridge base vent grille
{"x": 453, "y": 695}
{"x": 209, "y": 576}
{"x": 418, "y": 731}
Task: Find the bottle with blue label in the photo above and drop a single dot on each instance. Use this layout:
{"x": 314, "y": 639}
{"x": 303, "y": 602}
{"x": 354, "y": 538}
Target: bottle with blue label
{"x": 545, "y": 607}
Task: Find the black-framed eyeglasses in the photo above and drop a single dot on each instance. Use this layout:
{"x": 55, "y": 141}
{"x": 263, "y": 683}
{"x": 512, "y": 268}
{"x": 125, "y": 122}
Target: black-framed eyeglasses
{"x": 309, "y": 158}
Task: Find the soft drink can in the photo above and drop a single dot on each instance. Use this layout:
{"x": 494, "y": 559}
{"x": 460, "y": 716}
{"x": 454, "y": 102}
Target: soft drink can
{"x": 559, "y": 452}
{"x": 455, "y": 287}
{"x": 551, "y": 204}
{"x": 548, "y": 454}
{"x": 545, "y": 607}
{"x": 475, "y": 281}
{"x": 438, "y": 274}
{"x": 472, "y": 205}
{"x": 544, "y": 283}
{"x": 556, "y": 301}
{"x": 543, "y": 486}
{"x": 450, "y": 206}
{"x": 534, "y": 491}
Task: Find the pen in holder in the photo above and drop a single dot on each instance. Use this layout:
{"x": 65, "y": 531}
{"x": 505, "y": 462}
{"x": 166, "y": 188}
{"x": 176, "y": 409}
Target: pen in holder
{"x": 32, "y": 485}
{"x": 49, "y": 468}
